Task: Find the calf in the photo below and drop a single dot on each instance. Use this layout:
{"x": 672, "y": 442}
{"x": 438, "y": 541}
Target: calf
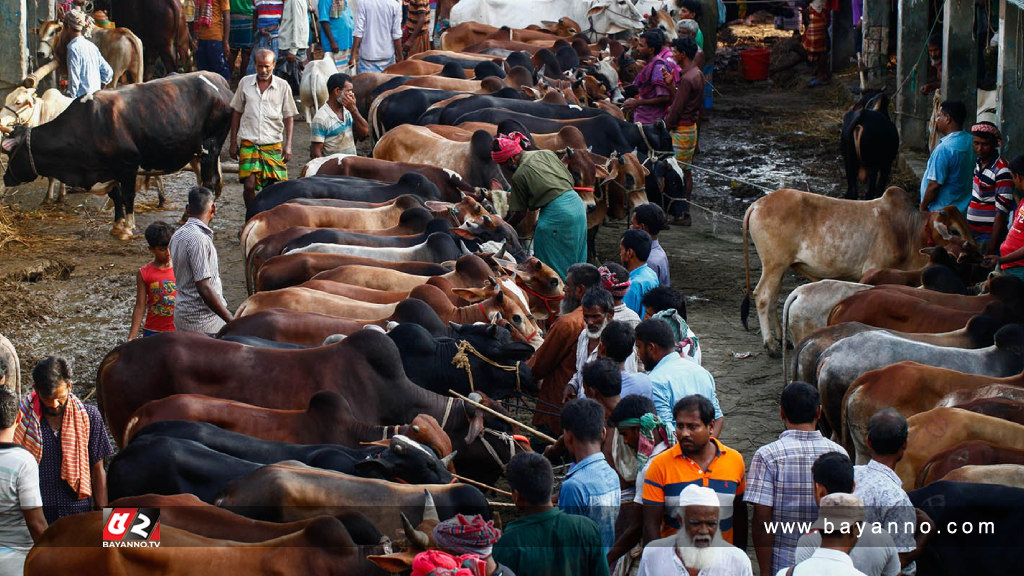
{"x": 870, "y": 143}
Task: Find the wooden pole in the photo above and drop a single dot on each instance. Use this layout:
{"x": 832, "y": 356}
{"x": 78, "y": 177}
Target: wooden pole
{"x": 501, "y": 416}
{"x": 482, "y": 485}
{"x": 33, "y": 79}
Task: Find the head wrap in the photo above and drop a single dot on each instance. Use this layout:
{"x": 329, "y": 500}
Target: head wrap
{"x": 694, "y": 495}
{"x": 610, "y": 283}
{"x": 438, "y": 563}
{"x": 76, "y": 20}
{"x": 686, "y": 341}
{"x": 509, "y": 146}
{"x": 472, "y": 535}
{"x": 839, "y": 508}
{"x": 652, "y": 432}
{"x": 987, "y": 130}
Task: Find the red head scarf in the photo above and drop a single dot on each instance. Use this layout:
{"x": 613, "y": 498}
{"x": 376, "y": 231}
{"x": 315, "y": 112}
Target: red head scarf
{"x": 509, "y": 146}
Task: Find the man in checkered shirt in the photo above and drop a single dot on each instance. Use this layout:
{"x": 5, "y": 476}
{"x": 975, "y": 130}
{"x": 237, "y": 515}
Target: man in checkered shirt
{"x": 779, "y": 483}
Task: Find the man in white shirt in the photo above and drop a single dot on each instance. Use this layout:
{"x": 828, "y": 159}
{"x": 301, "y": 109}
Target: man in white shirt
{"x": 21, "y": 505}
{"x": 293, "y": 40}
{"x": 698, "y": 545}
{"x": 377, "y": 39}
{"x": 840, "y": 517}
{"x": 331, "y": 131}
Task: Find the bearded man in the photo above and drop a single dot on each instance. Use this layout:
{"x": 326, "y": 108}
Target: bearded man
{"x": 698, "y": 547}
{"x": 598, "y": 310}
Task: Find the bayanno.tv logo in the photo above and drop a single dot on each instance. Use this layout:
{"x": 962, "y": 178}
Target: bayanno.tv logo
{"x": 131, "y": 527}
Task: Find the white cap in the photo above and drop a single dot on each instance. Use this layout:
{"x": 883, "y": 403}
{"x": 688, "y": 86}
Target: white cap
{"x": 694, "y": 495}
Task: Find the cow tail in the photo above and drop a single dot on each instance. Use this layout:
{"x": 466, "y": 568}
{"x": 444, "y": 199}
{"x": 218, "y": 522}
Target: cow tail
{"x": 103, "y": 374}
{"x": 244, "y": 237}
{"x": 250, "y": 271}
{"x": 785, "y": 335}
{"x": 745, "y": 306}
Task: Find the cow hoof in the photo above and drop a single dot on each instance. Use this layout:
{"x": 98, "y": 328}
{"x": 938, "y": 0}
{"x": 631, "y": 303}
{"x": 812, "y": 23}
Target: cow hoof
{"x": 121, "y": 234}
{"x": 773, "y": 352}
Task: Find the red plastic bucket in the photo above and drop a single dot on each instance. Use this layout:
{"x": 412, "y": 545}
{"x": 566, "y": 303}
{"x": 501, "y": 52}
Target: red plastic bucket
{"x": 755, "y": 64}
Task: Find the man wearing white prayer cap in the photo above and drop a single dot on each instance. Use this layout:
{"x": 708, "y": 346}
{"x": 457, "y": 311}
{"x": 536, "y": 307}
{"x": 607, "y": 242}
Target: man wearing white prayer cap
{"x": 698, "y": 548}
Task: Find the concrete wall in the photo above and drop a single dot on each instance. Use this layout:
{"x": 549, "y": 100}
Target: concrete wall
{"x": 1009, "y": 82}
{"x": 13, "y": 36}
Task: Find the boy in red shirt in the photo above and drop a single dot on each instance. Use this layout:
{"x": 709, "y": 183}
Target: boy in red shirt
{"x": 1011, "y": 252}
{"x": 155, "y": 289}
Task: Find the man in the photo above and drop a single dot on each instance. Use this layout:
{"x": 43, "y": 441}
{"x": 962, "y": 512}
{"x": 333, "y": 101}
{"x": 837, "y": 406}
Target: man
{"x": 261, "y": 126}
{"x": 683, "y": 117}
{"x": 615, "y": 279}
{"x": 652, "y": 99}
{"x": 68, "y": 440}
{"x": 555, "y": 361}
{"x": 697, "y": 458}
{"x": 200, "y": 307}
{"x": 948, "y": 177}
{"x": 331, "y": 130}
{"x": 377, "y": 40}
{"x": 293, "y": 41}
{"x": 87, "y": 70}
{"x": 690, "y": 29}
{"x": 780, "y": 484}
{"x": 875, "y": 553}
{"x": 634, "y": 249}
{"x": 992, "y": 193}
{"x": 240, "y": 36}
{"x": 602, "y": 382}
{"x": 214, "y": 47}
{"x": 416, "y": 36}
{"x": 816, "y": 41}
{"x": 22, "y": 521}
{"x": 597, "y": 313}
{"x": 668, "y": 304}
{"x": 266, "y": 21}
{"x": 672, "y": 377}
{"x": 651, "y": 219}
{"x": 618, "y": 341}
{"x": 934, "y": 65}
{"x": 546, "y": 541}
{"x": 838, "y": 521}
{"x": 590, "y": 487}
{"x": 881, "y": 490}
{"x": 471, "y": 535}
{"x": 336, "y": 22}
{"x": 1010, "y": 257}
{"x": 698, "y": 548}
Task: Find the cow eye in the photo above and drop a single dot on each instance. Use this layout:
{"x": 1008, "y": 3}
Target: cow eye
{"x": 517, "y": 319}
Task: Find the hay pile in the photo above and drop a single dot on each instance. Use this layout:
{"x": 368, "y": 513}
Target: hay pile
{"x": 8, "y": 231}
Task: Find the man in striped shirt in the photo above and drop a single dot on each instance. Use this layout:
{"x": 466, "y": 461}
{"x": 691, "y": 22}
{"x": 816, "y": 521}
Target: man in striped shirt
{"x": 992, "y": 194}
{"x": 266, "y": 17}
{"x": 200, "y": 306}
{"x": 417, "y": 28}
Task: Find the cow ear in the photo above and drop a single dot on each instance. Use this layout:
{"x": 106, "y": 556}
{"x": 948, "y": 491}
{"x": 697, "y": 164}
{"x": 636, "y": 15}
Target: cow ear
{"x": 600, "y": 172}
{"x": 549, "y": 23}
{"x": 499, "y": 297}
{"x": 462, "y": 233}
{"x": 646, "y": 171}
{"x": 942, "y": 230}
{"x": 469, "y": 294}
{"x": 9, "y": 144}
{"x": 397, "y": 563}
{"x": 374, "y": 468}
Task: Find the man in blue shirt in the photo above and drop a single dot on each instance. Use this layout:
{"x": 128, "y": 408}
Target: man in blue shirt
{"x": 949, "y": 176}
{"x": 87, "y": 70}
{"x": 651, "y": 219}
{"x": 591, "y": 487}
{"x": 634, "y": 249}
{"x": 672, "y": 377}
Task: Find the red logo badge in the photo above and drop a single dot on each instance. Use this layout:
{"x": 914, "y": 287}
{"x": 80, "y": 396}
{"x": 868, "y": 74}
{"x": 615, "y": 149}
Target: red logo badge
{"x": 131, "y": 527}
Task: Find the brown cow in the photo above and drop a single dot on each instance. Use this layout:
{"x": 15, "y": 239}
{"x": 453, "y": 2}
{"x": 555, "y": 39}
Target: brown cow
{"x": 568, "y": 137}
{"x": 304, "y": 328}
{"x": 920, "y": 389}
{"x": 966, "y": 454}
{"x": 470, "y": 272}
{"x": 823, "y": 237}
{"x": 448, "y": 183}
{"x": 471, "y": 160}
{"x": 287, "y": 215}
{"x": 322, "y": 547}
{"x": 942, "y": 428}
{"x": 327, "y": 420}
{"x": 459, "y": 55}
{"x": 892, "y": 310}
{"x": 368, "y": 295}
{"x": 623, "y": 190}
{"x": 119, "y": 46}
{"x": 293, "y": 269}
{"x": 998, "y": 407}
{"x": 520, "y": 322}
{"x": 420, "y": 68}
{"x": 512, "y": 45}
{"x": 1011, "y": 475}
{"x": 309, "y": 300}
{"x": 1005, "y": 288}
{"x": 458, "y": 37}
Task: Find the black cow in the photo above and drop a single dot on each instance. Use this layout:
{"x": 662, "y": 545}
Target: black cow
{"x": 869, "y": 143}
{"x": 547, "y": 65}
{"x": 159, "y": 24}
{"x": 487, "y": 70}
{"x": 466, "y": 63}
{"x": 348, "y": 188}
{"x": 452, "y": 70}
{"x": 430, "y": 362}
{"x": 452, "y": 113}
{"x": 567, "y": 58}
{"x": 520, "y": 58}
{"x": 405, "y": 106}
{"x": 976, "y": 528}
{"x": 663, "y": 183}
{"x": 604, "y": 133}
{"x": 101, "y": 141}
{"x": 263, "y": 342}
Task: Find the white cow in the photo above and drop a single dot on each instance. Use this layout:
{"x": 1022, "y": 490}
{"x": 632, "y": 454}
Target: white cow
{"x": 24, "y": 106}
{"x": 596, "y": 16}
{"x": 313, "y": 86}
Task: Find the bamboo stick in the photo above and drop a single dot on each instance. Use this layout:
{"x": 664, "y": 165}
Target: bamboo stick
{"x": 482, "y": 485}
{"x": 501, "y": 416}
{"x": 34, "y": 78}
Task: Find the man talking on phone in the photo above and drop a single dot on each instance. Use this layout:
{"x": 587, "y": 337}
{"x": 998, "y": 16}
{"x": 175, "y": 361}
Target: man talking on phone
{"x": 332, "y": 129}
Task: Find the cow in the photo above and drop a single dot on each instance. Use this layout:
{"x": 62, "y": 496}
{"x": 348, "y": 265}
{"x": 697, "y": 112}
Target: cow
{"x": 10, "y": 366}
{"x": 566, "y": 138}
{"x": 160, "y": 25}
{"x": 891, "y": 231}
{"x": 843, "y": 362}
{"x": 350, "y": 188}
{"x": 405, "y": 105}
{"x": 293, "y": 269}
{"x": 966, "y": 454}
{"x": 870, "y": 144}
{"x": 442, "y": 364}
{"x": 313, "y": 85}
{"x": 603, "y": 16}
{"x": 367, "y": 86}
{"x": 120, "y": 48}
{"x": 289, "y": 491}
{"x": 999, "y": 407}
{"x": 461, "y": 35}
{"x": 344, "y": 237}
{"x": 470, "y": 272}
{"x": 1011, "y": 475}
{"x": 365, "y": 368}
{"x": 323, "y": 546}
{"x": 438, "y": 247}
{"x": 1004, "y": 288}
{"x": 885, "y": 307}
{"x": 424, "y": 68}
{"x": 937, "y": 256}
{"x": 623, "y": 190}
{"x": 23, "y": 107}
{"x": 970, "y": 522}
{"x": 417, "y": 144}
{"x": 449, "y": 184}
{"x": 169, "y": 122}
{"x": 807, "y": 308}
{"x": 453, "y": 113}
{"x": 305, "y": 328}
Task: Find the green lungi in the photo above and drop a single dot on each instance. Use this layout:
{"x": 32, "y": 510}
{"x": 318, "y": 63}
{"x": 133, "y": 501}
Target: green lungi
{"x": 560, "y": 239}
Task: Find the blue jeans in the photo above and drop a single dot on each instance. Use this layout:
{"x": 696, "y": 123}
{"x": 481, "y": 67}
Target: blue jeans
{"x": 210, "y": 56}
{"x": 261, "y": 41}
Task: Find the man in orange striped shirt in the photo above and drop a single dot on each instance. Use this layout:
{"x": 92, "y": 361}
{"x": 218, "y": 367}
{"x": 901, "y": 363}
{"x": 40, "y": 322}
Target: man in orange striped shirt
{"x": 417, "y": 27}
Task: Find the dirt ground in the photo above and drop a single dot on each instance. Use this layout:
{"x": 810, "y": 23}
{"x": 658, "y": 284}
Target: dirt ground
{"x": 67, "y": 286}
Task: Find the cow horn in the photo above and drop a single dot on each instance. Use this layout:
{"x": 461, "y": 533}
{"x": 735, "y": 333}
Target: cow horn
{"x": 429, "y": 510}
{"x": 487, "y": 220}
{"x": 398, "y": 448}
{"x": 415, "y": 537}
{"x": 455, "y": 325}
{"x": 501, "y": 252}
{"x": 415, "y": 428}
{"x": 448, "y": 459}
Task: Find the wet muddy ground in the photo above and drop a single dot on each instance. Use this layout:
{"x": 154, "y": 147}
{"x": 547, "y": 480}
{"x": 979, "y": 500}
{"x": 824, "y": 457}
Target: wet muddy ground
{"x": 68, "y": 288}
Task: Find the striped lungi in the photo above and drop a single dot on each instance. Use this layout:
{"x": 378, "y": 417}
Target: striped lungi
{"x": 684, "y": 143}
{"x": 264, "y": 162}
{"x": 560, "y": 239}
{"x": 241, "y": 31}
{"x": 816, "y": 36}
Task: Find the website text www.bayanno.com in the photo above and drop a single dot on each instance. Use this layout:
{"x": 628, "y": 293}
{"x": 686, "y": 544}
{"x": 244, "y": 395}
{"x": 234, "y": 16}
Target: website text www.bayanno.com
{"x": 861, "y": 528}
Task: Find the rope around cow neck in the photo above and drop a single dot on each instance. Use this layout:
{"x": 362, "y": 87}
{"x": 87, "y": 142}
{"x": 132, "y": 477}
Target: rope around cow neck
{"x": 461, "y": 361}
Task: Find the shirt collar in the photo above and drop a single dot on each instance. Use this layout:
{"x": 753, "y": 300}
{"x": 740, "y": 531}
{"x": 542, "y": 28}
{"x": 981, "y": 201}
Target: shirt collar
{"x": 593, "y": 458}
{"x": 666, "y": 360}
{"x": 200, "y": 224}
{"x": 834, "y": 555}
{"x": 678, "y": 448}
{"x": 885, "y": 471}
{"x": 655, "y": 244}
{"x": 537, "y": 518}
{"x": 637, "y": 271}
{"x": 801, "y": 434}
{"x": 990, "y": 165}
{"x": 273, "y": 83}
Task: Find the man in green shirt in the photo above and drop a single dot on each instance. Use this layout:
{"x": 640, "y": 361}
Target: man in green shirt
{"x": 541, "y": 182}
{"x": 546, "y": 541}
